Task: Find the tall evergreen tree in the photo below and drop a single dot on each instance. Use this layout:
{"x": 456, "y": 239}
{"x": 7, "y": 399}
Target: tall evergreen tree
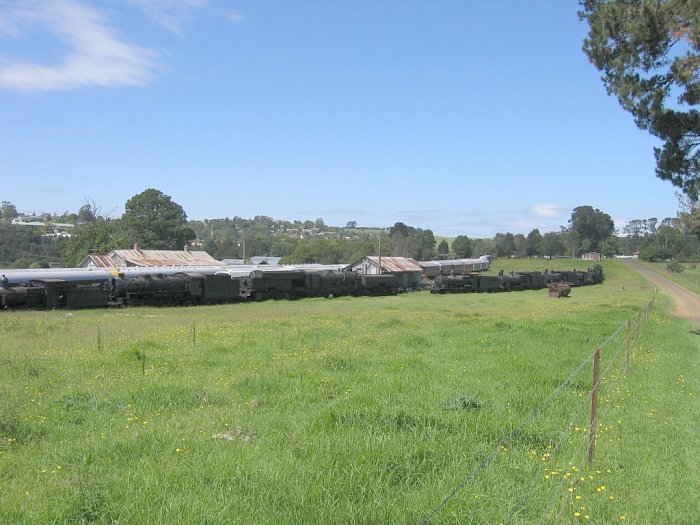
{"x": 649, "y": 53}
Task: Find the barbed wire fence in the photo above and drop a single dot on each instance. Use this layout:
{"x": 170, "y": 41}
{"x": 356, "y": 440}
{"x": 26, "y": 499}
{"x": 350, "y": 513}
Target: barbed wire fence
{"x": 576, "y": 439}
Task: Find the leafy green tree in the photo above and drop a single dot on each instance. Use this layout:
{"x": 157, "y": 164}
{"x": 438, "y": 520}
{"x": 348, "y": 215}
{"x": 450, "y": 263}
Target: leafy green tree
{"x": 533, "y": 243}
{"x": 8, "y": 210}
{"x": 22, "y": 246}
{"x": 483, "y": 247}
{"x": 655, "y": 252}
{"x": 591, "y": 227}
{"x": 649, "y": 54}
{"x": 505, "y": 244}
{"x": 87, "y": 213}
{"x": 462, "y": 247}
{"x": 443, "y": 248}
{"x": 610, "y": 247}
{"x": 553, "y": 244}
{"x": 318, "y": 250}
{"x": 406, "y": 241}
{"x": 155, "y": 222}
{"x": 426, "y": 245}
{"x": 100, "y": 237}
{"x": 519, "y": 240}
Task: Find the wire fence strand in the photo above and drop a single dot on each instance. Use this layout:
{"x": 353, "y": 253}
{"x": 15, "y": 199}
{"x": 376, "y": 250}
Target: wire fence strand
{"x": 617, "y": 355}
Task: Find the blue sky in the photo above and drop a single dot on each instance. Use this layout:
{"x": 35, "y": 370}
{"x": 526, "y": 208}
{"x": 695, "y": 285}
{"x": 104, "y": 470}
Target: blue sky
{"x": 468, "y": 118}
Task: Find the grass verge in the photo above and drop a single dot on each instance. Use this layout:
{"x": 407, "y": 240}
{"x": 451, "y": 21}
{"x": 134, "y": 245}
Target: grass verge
{"x": 366, "y": 410}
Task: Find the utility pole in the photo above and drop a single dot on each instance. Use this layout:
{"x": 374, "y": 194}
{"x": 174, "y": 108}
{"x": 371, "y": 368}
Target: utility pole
{"x": 241, "y": 244}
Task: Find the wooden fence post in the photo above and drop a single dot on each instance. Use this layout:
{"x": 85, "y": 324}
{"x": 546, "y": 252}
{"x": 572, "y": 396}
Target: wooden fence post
{"x": 594, "y": 406}
{"x": 627, "y": 344}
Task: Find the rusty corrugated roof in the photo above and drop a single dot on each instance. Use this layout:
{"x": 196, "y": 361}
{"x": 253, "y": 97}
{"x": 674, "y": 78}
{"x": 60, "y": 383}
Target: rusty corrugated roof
{"x": 99, "y": 261}
{"x": 163, "y": 258}
{"x": 396, "y": 264}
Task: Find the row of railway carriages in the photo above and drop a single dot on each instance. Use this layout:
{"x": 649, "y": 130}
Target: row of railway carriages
{"x": 515, "y": 281}
{"x": 161, "y": 287}
{"x": 92, "y": 288}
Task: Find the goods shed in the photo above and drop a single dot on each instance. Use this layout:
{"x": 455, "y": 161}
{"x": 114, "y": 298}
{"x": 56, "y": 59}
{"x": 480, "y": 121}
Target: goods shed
{"x": 406, "y": 270}
{"x": 141, "y": 258}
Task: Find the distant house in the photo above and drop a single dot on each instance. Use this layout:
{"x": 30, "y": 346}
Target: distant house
{"x": 406, "y": 269}
{"x": 137, "y": 257}
{"x": 591, "y": 256}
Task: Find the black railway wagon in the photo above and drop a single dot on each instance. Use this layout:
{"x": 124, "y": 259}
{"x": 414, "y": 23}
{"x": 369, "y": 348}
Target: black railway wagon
{"x": 383, "y": 284}
{"x": 453, "y": 284}
{"x": 274, "y": 284}
{"x": 153, "y": 289}
{"x": 59, "y": 293}
{"x": 514, "y": 281}
{"x": 22, "y": 297}
{"x": 488, "y": 283}
{"x": 212, "y": 288}
{"x": 329, "y": 283}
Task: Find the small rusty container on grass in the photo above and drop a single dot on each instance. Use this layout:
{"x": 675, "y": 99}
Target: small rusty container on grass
{"x": 559, "y": 289}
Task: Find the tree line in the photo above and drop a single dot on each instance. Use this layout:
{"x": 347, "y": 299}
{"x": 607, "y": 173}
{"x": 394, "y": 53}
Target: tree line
{"x": 153, "y": 220}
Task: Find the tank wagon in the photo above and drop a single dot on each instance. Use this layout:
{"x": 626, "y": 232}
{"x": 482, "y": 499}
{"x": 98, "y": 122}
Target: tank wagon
{"x": 514, "y": 281}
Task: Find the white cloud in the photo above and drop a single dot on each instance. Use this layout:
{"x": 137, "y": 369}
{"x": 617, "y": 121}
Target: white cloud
{"x": 175, "y": 14}
{"x": 548, "y": 211}
{"x": 171, "y": 14}
{"x": 233, "y": 16}
{"x": 96, "y": 55}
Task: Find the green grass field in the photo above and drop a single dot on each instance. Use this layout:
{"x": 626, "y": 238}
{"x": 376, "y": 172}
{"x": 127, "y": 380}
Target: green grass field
{"x": 411, "y": 409}
{"x": 689, "y": 278}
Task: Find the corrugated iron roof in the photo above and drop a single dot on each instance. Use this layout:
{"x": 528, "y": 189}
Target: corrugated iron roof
{"x": 163, "y": 258}
{"x": 396, "y": 264}
{"x": 99, "y": 261}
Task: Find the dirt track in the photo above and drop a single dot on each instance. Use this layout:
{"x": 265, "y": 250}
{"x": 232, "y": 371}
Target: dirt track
{"x": 687, "y": 302}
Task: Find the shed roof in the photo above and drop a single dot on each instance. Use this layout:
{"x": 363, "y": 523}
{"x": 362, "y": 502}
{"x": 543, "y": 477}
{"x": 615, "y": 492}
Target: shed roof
{"x": 164, "y": 258}
{"x": 395, "y": 264}
{"x": 98, "y": 261}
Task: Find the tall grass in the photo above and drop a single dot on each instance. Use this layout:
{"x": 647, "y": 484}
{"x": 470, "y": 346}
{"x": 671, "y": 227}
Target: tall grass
{"x": 689, "y": 278}
{"x": 365, "y": 410}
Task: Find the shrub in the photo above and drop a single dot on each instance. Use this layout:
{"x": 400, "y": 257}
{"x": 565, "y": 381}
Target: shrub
{"x": 674, "y": 266}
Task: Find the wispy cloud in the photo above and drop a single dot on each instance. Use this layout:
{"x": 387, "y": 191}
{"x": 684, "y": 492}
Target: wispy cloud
{"x": 96, "y": 56}
{"x": 548, "y": 211}
{"x": 172, "y": 14}
{"x": 486, "y": 223}
{"x": 233, "y": 16}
